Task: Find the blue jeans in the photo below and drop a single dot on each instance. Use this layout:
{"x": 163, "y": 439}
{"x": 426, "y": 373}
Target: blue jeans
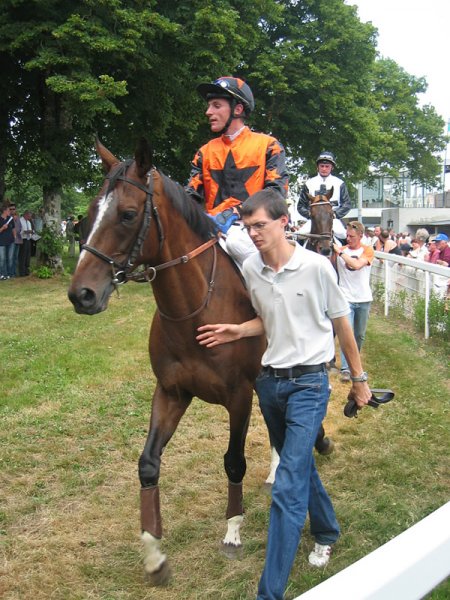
{"x": 293, "y": 410}
{"x": 6, "y": 260}
{"x": 358, "y": 317}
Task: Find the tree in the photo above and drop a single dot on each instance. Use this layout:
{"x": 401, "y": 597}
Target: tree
{"x": 123, "y": 68}
{"x": 411, "y": 136}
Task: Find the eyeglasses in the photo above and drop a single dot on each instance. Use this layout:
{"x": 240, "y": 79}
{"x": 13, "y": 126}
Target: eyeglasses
{"x": 256, "y": 226}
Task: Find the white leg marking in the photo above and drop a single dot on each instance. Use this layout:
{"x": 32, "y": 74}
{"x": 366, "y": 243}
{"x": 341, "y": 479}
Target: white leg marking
{"x": 233, "y": 537}
{"x": 153, "y": 557}
{"x": 274, "y": 462}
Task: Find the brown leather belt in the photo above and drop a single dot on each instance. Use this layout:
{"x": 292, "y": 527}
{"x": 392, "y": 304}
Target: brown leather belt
{"x": 295, "y": 371}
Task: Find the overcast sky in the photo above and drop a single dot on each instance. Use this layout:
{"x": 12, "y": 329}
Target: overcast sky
{"x": 416, "y": 34}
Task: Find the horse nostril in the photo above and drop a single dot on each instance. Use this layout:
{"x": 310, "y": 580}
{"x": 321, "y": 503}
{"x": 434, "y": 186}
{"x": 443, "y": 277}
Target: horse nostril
{"x": 84, "y": 298}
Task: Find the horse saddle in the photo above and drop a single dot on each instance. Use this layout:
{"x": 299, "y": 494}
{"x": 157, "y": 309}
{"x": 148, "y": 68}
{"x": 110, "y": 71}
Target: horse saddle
{"x": 379, "y": 396}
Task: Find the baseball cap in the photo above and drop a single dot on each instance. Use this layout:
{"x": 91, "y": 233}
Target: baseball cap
{"x": 441, "y": 237}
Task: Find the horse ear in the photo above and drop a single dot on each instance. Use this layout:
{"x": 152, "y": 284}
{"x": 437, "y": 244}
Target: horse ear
{"x": 310, "y": 198}
{"x": 108, "y": 158}
{"x": 329, "y": 194}
{"x": 143, "y": 157}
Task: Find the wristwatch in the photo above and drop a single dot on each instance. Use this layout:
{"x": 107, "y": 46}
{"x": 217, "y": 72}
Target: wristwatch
{"x": 361, "y": 378}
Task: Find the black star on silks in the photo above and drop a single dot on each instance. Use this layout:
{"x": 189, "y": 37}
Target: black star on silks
{"x": 231, "y": 180}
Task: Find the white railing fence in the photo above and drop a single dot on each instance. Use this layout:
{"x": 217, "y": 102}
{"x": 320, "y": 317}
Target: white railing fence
{"x": 410, "y": 278}
{"x": 405, "y": 568}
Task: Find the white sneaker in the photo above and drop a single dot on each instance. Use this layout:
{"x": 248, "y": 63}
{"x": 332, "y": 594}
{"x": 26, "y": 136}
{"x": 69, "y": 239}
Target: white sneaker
{"x": 320, "y": 556}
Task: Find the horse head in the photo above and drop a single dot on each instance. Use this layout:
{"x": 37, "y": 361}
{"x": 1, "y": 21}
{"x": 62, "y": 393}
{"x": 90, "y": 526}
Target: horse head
{"x": 119, "y": 218}
{"x": 321, "y": 212}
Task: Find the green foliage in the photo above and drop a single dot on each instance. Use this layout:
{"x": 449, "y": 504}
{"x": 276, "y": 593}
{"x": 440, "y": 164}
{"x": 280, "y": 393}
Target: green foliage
{"x": 51, "y": 245}
{"x": 121, "y": 68}
{"x": 438, "y": 317}
{"x": 403, "y": 304}
{"x": 43, "y": 272}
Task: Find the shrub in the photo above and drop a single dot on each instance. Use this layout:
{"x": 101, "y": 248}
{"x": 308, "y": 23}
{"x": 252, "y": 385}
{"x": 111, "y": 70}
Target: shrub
{"x": 44, "y": 272}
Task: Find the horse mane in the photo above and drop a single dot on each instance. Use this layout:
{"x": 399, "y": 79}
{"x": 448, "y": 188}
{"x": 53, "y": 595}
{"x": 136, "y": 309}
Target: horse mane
{"x": 190, "y": 210}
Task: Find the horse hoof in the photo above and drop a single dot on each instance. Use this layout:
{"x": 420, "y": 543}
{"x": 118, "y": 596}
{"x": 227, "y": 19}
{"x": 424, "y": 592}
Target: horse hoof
{"x": 326, "y": 446}
{"x": 268, "y": 487}
{"x": 231, "y": 551}
{"x": 161, "y": 577}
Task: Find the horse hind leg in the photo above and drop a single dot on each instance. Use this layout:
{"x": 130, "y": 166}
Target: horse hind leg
{"x": 323, "y": 444}
{"x": 235, "y": 468}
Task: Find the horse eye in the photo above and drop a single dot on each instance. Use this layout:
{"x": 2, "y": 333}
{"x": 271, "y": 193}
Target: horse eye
{"x": 128, "y": 216}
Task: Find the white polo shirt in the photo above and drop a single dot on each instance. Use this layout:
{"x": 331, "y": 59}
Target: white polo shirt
{"x": 355, "y": 284}
{"x": 296, "y": 305}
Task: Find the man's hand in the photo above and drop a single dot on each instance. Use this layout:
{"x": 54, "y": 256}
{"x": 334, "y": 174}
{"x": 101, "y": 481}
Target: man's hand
{"x": 214, "y": 335}
{"x": 219, "y": 333}
{"x": 360, "y": 393}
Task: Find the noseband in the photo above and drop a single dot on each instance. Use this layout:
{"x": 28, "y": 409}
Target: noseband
{"x": 121, "y": 271}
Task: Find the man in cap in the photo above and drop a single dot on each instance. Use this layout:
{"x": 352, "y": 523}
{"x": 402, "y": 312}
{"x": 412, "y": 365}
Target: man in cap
{"x": 321, "y": 183}
{"x": 235, "y": 164}
{"x": 444, "y": 249}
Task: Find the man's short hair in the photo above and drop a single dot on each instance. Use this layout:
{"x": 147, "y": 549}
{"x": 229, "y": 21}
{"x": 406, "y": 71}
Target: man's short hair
{"x": 357, "y": 226}
{"x": 269, "y": 199}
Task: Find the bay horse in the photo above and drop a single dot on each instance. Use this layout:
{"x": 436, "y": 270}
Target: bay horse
{"x": 142, "y": 217}
{"x": 320, "y": 239}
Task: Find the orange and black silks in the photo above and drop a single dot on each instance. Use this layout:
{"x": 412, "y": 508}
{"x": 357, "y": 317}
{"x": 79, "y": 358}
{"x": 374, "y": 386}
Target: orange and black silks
{"x": 226, "y": 172}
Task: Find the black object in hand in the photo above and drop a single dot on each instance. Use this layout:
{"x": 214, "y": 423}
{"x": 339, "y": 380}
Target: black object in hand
{"x": 378, "y": 397}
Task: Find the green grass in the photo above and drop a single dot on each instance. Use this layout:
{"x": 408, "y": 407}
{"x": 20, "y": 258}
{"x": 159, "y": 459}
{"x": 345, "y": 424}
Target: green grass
{"x": 75, "y": 405}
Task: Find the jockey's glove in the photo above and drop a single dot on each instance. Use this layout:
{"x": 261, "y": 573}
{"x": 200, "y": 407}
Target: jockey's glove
{"x": 225, "y": 219}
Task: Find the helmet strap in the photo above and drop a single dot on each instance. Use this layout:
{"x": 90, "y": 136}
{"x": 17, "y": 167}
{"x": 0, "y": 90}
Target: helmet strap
{"x": 233, "y": 104}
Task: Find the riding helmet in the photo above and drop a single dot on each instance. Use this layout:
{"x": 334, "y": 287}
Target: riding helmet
{"x": 328, "y": 156}
{"x": 229, "y": 87}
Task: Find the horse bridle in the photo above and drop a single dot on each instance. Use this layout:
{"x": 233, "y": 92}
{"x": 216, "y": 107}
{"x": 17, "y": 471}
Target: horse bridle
{"x": 325, "y": 235}
{"x": 122, "y": 272}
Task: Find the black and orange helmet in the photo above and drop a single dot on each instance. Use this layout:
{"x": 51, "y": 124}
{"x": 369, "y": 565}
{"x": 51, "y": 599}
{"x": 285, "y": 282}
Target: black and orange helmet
{"x": 229, "y": 87}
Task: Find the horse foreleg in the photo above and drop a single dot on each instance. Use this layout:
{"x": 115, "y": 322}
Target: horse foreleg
{"x": 166, "y": 414}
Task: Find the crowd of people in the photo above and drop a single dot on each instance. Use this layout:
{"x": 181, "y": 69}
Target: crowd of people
{"x": 432, "y": 248}
{"x": 19, "y": 235}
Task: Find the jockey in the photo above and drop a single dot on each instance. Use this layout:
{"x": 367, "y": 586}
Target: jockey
{"x": 235, "y": 164}
{"x": 322, "y": 182}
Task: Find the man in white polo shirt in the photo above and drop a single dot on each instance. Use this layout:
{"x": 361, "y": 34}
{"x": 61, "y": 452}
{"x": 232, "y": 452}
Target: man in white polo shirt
{"x": 354, "y": 264}
{"x": 298, "y": 302}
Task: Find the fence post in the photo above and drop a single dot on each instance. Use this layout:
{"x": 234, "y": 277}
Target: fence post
{"x": 427, "y": 304}
{"x": 386, "y": 288}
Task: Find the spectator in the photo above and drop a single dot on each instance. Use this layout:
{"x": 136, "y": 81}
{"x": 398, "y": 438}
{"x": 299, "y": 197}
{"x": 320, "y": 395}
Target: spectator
{"x": 7, "y": 233}
{"x": 83, "y": 231}
{"x": 25, "y": 247}
{"x": 70, "y": 235}
{"x": 237, "y": 163}
{"x": 76, "y": 231}
{"x": 418, "y": 243}
{"x": 354, "y": 264}
{"x": 433, "y": 252}
{"x": 405, "y": 249}
{"x": 292, "y": 290}
{"x": 38, "y": 228}
{"x": 17, "y": 239}
{"x": 444, "y": 249}
{"x": 369, "y": 238}
{"x": 385, "y": 244}
{"x": 319, "y": 184}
